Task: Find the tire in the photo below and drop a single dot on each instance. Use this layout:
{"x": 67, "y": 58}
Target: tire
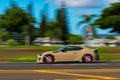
{"x": 87, "y": 58}
{"x": 48, "y": 59}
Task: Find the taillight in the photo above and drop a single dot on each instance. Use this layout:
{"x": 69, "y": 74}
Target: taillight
{"x": 96, "y": 51}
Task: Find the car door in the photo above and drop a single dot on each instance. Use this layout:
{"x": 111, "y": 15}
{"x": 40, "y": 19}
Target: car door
{"x": 67, "y": 54}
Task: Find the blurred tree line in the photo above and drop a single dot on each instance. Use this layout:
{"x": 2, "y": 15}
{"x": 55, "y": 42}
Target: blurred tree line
{"x": 16, "y": 21}
{"x": 57, "y": 29}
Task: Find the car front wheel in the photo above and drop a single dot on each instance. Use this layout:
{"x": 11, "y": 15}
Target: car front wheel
{"x": 87, "y": 58}
{"x": 48, "y": 59}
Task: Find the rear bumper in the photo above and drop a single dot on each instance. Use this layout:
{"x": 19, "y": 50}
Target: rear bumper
{"x": 96, "y": 54}
{"x": 97, "y": 57}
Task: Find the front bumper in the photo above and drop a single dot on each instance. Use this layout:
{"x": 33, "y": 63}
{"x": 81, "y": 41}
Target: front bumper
{"x": 39, "y": 59}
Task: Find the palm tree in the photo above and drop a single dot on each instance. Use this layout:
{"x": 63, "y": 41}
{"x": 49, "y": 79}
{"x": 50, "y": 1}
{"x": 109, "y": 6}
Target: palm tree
{"x": 87, "y": 19}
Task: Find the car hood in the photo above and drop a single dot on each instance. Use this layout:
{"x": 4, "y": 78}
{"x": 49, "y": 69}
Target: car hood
{"x": 44, "y": 53}
{"x": 48, "y": 52}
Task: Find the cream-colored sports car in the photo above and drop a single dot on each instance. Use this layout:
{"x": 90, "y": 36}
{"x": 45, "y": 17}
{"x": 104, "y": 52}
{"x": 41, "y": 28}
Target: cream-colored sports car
{"x": 69, "y": 53}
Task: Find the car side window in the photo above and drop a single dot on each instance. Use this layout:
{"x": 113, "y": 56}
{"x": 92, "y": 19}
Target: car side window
{"x": 72, "y": 48}
{"x": 78, "y": 48}
{"x": 69, "y": 48}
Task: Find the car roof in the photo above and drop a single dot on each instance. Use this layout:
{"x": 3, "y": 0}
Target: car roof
{"x": 78, "y": 46}
{"x": 75, "y": 45}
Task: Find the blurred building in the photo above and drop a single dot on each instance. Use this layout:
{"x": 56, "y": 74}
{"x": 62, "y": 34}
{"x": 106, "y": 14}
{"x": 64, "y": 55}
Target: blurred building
{"x": 102, "y": 41}
{"x": 2, "y": 43}
{"x": 46, "y": 41}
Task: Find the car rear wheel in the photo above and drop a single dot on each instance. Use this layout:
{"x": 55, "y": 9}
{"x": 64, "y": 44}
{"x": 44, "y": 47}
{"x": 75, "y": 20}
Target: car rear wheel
{"x": 48, "y": 59}
{"x": 87, "y": 58}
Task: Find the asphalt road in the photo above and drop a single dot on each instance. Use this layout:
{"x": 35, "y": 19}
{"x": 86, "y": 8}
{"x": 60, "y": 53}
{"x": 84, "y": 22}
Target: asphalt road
{"x": 70, "y": 65}
{"x": 60, "y": 71}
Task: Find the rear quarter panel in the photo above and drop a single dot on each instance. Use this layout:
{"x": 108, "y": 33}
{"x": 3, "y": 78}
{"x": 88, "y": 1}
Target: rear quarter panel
{"x": 83, "y": 52}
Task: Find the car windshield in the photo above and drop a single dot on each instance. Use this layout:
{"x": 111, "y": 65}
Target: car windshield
{"x": 61, "y": 48}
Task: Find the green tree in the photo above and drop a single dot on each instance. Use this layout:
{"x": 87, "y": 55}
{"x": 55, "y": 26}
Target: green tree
{"x": 4, "y": 35}
{"x": 62, "y": 21}
{"x": 53, "y": 31}
{"x": 10, "y": 42}
{"x": 15, "y": 19}
{"x": 110, "y": 37}
{"x": 12, "y": 20}
{"x": 110, "y": 18}
{"x": 74, "y": 39}
{"x": 87, "y": 19}
{"x": 28, "y": 29}
{"x": 43, "y": 26}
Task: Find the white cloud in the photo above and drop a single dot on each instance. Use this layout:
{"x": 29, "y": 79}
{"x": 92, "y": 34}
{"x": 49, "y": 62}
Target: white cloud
{"x": 79, "y": 13}
{"x": 112, "y": 1}
{"x": 80, "y": 3}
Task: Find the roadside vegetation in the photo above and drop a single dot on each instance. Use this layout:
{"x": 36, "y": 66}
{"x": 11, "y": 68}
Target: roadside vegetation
{"x": 109, "y": 53}
{"x": 28, "y": 53}
{"x": 22, "y": 53}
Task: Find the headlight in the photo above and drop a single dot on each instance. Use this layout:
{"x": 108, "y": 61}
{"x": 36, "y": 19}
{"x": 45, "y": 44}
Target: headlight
{"x": 40, "y": 54}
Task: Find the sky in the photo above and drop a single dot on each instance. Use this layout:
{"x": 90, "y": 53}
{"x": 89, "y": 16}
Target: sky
{"x": 75, "y": 8}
